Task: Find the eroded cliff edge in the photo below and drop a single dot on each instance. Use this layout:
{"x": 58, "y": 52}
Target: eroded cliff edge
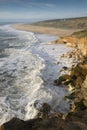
{"x": 76, "y": 79}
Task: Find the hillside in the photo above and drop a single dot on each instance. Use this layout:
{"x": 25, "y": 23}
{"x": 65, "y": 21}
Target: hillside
{"x": 69, "y": 23}
{"x": 80, "y": 34}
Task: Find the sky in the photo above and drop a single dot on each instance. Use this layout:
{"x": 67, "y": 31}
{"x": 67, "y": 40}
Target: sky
{"x": 42, "y": 9}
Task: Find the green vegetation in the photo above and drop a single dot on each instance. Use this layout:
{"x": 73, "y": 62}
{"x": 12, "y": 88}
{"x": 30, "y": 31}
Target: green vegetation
{"x": 80, "y": 33}
{"x": 68, "y": 23}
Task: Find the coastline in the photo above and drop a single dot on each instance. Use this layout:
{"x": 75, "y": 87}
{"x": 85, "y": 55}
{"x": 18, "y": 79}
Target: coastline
{"x": 40, "y": 48}
{"x": 76, "y": 118}
{"x": 45, "y": 30}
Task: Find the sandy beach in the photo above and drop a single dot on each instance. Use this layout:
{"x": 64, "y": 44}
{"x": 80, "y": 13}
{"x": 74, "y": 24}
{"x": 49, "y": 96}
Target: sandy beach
{"x": 46, "y": 30}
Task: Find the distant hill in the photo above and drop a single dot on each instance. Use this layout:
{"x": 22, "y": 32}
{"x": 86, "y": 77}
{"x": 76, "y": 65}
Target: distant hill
{"x": 68, "y": 23}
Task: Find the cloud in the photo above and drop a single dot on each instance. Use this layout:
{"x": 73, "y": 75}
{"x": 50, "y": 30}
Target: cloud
{"x": 38, "y": 5}
{"x": 50, "y": 5}
{"x": 29, "y": 3}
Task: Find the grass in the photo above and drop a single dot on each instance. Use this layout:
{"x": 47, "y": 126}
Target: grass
{"x": 80, "y": 34}
{"x": 68, "y": 23}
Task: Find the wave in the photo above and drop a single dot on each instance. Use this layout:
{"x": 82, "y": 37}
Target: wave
{"x": 27, "y": 75}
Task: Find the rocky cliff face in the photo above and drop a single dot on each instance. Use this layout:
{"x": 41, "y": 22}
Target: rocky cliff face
{"x": 77, "y": 40}
{"x": 76, "y": 79}
{"x": 80, "y": 43}
{"x": 72, "y": 122}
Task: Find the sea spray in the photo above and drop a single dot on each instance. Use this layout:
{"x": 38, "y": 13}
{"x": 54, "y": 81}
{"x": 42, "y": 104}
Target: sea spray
{"x": 27, "y": 73}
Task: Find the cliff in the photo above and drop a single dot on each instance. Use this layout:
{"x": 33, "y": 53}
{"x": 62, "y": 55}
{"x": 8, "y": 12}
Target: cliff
{"x": 77, "y": 76}
{"x": 72, "y": 122}
{"x": 77, "y": 40}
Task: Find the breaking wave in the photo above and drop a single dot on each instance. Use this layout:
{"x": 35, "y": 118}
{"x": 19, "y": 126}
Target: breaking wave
{"x": 27, "y": 72}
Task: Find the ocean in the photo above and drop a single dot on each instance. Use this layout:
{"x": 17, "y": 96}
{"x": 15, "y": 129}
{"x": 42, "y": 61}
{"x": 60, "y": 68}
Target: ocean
{"x": 27, "y": 72}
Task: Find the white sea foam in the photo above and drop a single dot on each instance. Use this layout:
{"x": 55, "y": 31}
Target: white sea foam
{"x": 27, "y": 75}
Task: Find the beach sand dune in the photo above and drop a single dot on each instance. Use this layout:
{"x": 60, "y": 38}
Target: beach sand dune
{"x": 46, "y": 30}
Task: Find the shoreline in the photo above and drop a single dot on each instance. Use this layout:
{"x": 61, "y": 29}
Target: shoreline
{"x": 43, "y": 84}
{"x": 77, "y": 79}
{"x": 45, "y": 30}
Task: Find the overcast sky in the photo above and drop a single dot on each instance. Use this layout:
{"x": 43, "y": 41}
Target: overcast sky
{"x": 42, "y": 9}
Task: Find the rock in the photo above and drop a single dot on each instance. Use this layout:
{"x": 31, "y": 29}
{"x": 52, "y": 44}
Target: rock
{"x": 84, "y": 91}
{"x": 63, "y": 80}
{"x": 80, "y": 94}
{"x": 53, "y": 42}
{"x": 62, "y": 56}
{"x": 64, "y": 68}
{"x": 77, "y": 80}
{"x": 13, "y": 124}
{"x": 2, "y": 127}
{"x": 78, "y": 74}
{"x": 57, "y": 62}
{"x": 82, "y": 115}
{"x": 43, "y": 109}
{"x": 72, "y": 123}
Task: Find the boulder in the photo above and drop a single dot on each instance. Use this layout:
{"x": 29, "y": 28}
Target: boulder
{"x": 43, "y": 109}
{"x": 84, "y": 91}
{"x": 63, "y": 80}
{"x": 13, "y": 124}
{"x": 64, "y": 68}
{"x": 53, "y": 123}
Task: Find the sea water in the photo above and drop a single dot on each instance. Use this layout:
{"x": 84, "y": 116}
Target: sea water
{"x": 27, "y": 72}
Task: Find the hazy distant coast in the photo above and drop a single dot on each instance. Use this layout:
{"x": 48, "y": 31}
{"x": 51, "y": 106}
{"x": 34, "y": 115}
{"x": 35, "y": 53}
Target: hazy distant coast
{"x": 45, "y": 30}
{"x": 59, "y": 27}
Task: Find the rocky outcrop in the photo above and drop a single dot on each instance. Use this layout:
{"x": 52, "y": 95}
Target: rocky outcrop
{"x": 77, "y": 40}
{"x": 76, "y": 54}
{"x": 69, "y": 40}
{"x": 56, "y": 121}
{"x": 53, "y": 123}
{"x": 76, "y": 76}
{"x": 43, "y": 109}
{"x": 84, "y": 91}
{"x": 79, "y": 43}
{"x": 77, "y": 80}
